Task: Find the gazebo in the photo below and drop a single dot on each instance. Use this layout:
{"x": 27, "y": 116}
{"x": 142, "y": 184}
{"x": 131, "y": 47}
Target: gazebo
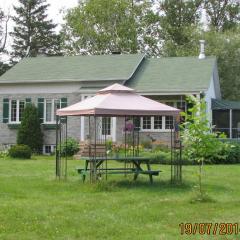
{"x": 124, "y": 103}
{"x": 226, "y": 117}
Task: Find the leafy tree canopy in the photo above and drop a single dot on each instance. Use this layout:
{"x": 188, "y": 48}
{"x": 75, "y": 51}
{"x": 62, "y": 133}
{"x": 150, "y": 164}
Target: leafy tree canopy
{"x": 104, "y": 26}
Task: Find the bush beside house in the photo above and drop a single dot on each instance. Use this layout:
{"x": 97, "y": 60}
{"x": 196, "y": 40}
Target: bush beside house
{"x": 20, "y": 151}
{"x": 29, "y": 132}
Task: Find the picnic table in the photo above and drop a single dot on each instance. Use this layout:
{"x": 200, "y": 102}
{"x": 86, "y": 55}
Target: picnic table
{"x": 135, "y": 169}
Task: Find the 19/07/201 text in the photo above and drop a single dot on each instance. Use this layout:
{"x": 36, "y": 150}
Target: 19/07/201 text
{"x": 209, "y": 228}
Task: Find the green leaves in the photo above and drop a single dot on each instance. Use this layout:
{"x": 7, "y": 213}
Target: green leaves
{"x": 102, "y": 26}
{"x": 198, "y": 139}
{"x": 29, "y": 132}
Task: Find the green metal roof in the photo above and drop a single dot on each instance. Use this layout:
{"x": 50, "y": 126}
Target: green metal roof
{"x": 225, "y": 104}
{"x": 75, "y": 68}
{"x": 173, "y": 74}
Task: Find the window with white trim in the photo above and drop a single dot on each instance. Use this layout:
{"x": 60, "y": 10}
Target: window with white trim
{"x": 162, "y": 123}
{"x": 16, "y": 109}
{"x": 50, "y": 108}
{"x": 48, "y": 149}
{"x": 106, "y": 125}
{"x": 168, "y": 122}
{"x": 158, "y": 122}
{"x": 146, "y": 122}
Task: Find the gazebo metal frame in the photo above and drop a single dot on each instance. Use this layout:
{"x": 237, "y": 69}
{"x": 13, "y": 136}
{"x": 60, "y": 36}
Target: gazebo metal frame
{"x": 121, "y": 102}
{"x": 131, "y": 138}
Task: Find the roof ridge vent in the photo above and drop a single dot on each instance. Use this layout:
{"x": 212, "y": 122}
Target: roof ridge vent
{"x": 202, "y": 50}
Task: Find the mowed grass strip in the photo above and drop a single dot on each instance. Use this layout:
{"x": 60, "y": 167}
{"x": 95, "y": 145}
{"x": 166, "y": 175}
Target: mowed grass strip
{"x": 34, "y": 205}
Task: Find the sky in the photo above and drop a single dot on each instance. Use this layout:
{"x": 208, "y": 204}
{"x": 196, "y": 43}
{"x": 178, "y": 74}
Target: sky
{"x": 54, "y": 11}
{"x": 55, "y": 7}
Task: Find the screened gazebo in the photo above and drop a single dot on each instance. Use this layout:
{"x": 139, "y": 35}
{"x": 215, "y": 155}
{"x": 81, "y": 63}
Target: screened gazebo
{"x": 123, "y": 103}
{"x": 226, "y": 117}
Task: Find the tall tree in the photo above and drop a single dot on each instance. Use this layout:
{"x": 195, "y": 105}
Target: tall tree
{"x": 225, "y": 46}
{"x": 3, "y": 40}
{"x": 104, "y": 26}
{"x": 179, "y": 20}
{"x": 33, "y": 33}
{"x": 3, "y": 30}
{"x": 222, "y": 14}
{"x": 149, "y": 29}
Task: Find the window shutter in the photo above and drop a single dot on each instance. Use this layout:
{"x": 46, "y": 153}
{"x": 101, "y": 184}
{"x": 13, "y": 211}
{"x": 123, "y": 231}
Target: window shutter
{"x": 41, "y": 109}
{"x": 63, "y": 102}
{"x": 5, "y": 110}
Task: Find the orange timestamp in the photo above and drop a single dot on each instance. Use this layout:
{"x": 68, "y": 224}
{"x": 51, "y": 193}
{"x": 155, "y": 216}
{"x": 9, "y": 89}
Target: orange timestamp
{"x": 209, "y": 228}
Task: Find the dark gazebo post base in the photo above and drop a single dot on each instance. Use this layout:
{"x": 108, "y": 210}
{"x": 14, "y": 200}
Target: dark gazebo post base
{"x": 61, "y": 138}
{"x": 176, "y": 153}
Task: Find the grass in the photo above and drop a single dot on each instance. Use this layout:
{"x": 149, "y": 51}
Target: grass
{"x": 34, "y": 205}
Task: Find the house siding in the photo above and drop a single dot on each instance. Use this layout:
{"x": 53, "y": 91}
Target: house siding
{"x": 8, "y": 135}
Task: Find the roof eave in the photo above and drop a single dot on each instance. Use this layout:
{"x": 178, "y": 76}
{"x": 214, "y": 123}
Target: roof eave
{"x": 59, "y": 81}
{"x": 173, "y": 92}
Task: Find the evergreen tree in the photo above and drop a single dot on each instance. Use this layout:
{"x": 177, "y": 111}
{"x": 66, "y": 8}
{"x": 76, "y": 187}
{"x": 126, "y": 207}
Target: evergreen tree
{"x": 29, "y": 132}
{"x": 33, "y": 33}
{"x": 3, "y": 40}
{"x": 1, "y": 31}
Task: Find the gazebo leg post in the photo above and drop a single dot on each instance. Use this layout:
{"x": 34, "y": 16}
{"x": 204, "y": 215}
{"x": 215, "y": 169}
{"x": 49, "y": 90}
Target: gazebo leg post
{"x": 57, "y": 150}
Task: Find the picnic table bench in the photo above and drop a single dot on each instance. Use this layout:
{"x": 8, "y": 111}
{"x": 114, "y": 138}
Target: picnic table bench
{"x": 136, "y": 168}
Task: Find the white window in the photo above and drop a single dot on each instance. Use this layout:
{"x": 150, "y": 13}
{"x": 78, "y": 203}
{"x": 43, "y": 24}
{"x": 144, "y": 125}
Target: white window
{"x": 162, "y": 123}
{"x": 158, "y": 122}
{"x": 106, "y": 126}
{"x": 16, "y": 110}
{"x": 50, "y": 108}
{"x": 48, "y": 149}
{"x": 146, "y": 122}
{"x": 168, "y": 122}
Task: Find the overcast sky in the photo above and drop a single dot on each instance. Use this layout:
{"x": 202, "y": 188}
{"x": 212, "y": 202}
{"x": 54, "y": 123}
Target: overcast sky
{"x": 53, "y": 10}
{"x": 55, "y": 7}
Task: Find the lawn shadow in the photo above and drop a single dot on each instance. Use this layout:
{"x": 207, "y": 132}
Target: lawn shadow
{"x": 159, "y": 186}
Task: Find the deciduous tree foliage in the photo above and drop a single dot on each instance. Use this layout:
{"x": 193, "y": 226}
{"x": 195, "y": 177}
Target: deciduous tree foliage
{"x": 33, "y": 33}
{"x": 226, "y": 46}
{"x": 179, "y": 19}
{"x": 104, "y": 26}
{"x": 29, "y": 132}
{"x": 223, "y": 14}
{"x": 198, "y": 139}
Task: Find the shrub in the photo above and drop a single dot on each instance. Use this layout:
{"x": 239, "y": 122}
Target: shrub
{"x": 70, "y": 147}
{"x": 29, "y": 132}
{"x": 161, "y": 157}
{"x": 229, "y": 154}
{"x": 161, "y": 147}
{"x": 20, "y": 151}
{"x": 3, "y": 151}
{"x": 146, "y": 144}
{"x": 109, "y": 145}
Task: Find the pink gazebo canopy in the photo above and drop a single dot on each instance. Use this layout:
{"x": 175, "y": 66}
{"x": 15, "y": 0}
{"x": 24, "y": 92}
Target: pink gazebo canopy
{"x": 118, "y": 100}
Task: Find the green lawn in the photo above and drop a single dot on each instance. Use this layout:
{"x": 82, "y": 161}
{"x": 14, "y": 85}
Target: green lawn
{"x": 34, "y": 205}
